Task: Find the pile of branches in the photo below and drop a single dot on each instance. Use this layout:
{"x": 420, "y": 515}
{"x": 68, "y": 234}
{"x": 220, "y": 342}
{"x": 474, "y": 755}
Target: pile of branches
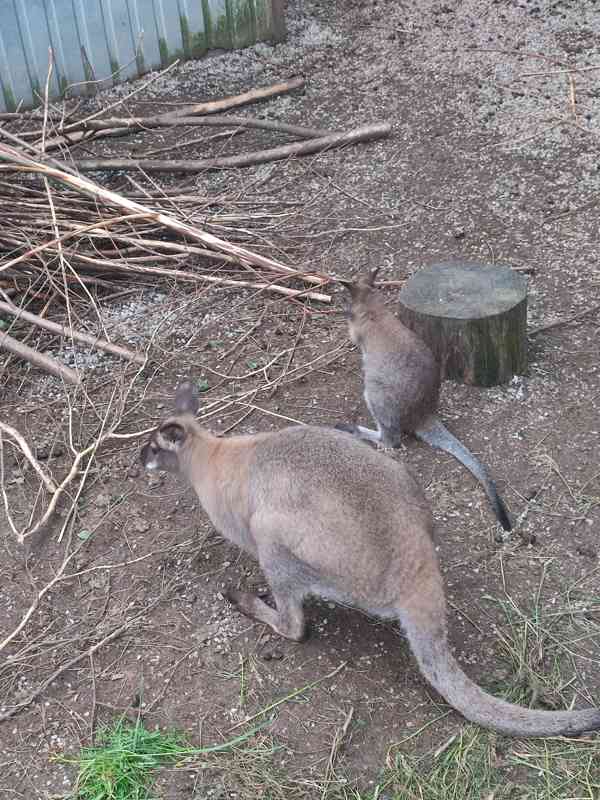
{"x": 61, "y": 230}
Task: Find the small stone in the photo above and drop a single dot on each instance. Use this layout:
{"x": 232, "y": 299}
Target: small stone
{"x": 102, "y": 500}
{"x": 273, "y": 655}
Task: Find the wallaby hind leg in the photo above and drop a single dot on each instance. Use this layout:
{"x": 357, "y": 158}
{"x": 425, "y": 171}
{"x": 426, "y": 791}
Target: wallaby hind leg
{"x": 287, "y": 620}
{"x": 388, "y": 427}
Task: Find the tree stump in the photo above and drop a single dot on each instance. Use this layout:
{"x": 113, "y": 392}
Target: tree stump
{"x": 474, "y": 318}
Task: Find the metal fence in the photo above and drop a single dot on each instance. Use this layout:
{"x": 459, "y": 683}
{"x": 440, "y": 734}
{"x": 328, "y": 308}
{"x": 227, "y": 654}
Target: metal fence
{"x": 96, "y": 43}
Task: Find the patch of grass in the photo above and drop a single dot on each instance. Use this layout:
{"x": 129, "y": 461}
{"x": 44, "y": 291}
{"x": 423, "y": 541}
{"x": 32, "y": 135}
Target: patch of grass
{"x": 123, "y": 762}
{"x": 543, "y": 644}
{"x": 476, "y": 765}
{"x": 462, "y": 768}
{"x": 560, "y": 769}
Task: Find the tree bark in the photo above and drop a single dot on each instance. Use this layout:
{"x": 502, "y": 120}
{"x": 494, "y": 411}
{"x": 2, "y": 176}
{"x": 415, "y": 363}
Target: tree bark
{"x": 473, "y": 317}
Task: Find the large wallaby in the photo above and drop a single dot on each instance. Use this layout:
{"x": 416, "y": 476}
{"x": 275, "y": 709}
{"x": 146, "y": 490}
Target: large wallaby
{"x": 325, "y": 515}
{"x": 402, "y": 384}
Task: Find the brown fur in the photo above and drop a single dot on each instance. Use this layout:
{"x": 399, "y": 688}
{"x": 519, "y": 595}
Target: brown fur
{"x": 326, "y": 516}
{"x": 402, "y": 384}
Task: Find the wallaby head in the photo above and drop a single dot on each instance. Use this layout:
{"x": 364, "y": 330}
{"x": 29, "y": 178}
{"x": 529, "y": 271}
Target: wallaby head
{"x": 172, "y": 437}
{"x": 364, "y": 304}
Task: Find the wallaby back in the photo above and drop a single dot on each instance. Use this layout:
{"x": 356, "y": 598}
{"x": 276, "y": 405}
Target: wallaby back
{"x": 327, "y": 516}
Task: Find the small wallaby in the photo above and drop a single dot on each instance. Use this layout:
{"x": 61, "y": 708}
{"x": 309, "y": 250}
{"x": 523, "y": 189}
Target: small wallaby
{"x": 402, "y": 384}
{"x": 325, "y": 515}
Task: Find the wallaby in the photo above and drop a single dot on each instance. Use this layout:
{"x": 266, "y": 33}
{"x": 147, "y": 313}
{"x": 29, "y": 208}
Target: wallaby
{"x": 402, "y": 384}
{"x": 325, "y": 515}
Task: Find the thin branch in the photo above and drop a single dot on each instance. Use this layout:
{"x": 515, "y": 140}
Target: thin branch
{"x": 247, "y": 98}
{"x": 71, "y": 235}
{"x": 366, "y": 133}
{"x": 14, "y": 433}
{"x": 58, "y": 493}
{"x": 567, "y": 321}
{"x": 183, "y": 229}
{"x": 41, "y": 360}
{"x": 100, "y": 344}
{"x": 122, "y": 126}
{"x": 192, "y": 277}
{"x": 114, "y": 634}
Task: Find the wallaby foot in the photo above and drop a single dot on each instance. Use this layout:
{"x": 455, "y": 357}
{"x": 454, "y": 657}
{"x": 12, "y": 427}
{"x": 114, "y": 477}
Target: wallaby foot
{"x": 287, "y": 620}
{"x": 346, "y": 427}
{"x": 368, "y": 434}
{"x": 362, "y": 433}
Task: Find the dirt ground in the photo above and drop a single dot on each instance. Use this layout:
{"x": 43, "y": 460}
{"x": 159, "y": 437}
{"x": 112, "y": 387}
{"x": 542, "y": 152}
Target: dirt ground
{"x": 493, "y": 156}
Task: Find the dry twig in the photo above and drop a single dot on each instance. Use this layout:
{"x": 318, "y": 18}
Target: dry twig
{"x": 26, "y": 450}
{"x": 567, "y": 321}
{"x": 70, "y": 333}
{"x": 109, "y": 197}
{"x": 364, "y": 134}
{"x": 41, "y": 360}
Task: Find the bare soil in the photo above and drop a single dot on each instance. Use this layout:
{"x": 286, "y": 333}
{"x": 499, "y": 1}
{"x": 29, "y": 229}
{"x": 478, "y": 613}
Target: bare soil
{"x": 483, "y": 163}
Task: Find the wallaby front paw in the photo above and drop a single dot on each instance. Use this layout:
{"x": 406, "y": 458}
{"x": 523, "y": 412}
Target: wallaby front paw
{"x": 234, "y": 596}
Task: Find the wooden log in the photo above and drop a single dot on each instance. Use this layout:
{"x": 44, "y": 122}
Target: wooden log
{"x": 41, "y": 360}
{"x": 70, "y": 333}
{"x": 305, "y": 147}
{"x": 474, "y": 318}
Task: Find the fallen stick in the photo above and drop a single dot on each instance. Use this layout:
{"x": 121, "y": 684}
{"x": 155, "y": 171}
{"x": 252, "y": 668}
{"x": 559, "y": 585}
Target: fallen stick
{"x": 197, "y": 109}
{"x": 567, "y": 321}
{"x": 122, "y": 126}
{"x": 192, "y": 277}
{"x": 47, "y": 363}
{"x": 110, "y": 637}
{"x": 78, "y": 131}
{"x": 74, "y": 233}
{"x": 26, "y": 450}
{"x": 308, "y": 147}
{"x": 125, "y": 125}
{"x": 244, "y": 99}
{"x": 244, "y": 256}
{"x": 100, "y": 344}
{"x": 159, "y": 244}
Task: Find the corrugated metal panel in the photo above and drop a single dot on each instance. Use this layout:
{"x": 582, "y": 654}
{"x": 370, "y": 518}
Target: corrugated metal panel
{"x": 96, "y": 43}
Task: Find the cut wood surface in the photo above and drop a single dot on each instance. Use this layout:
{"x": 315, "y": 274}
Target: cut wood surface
{"x": 474, "y": 318}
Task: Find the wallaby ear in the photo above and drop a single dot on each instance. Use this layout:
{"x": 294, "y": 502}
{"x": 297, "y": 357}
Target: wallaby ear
{"x": 372, "y": 275}
{"x": 186, "y": 398}
{"x": 171, "y": 436}
{"x": 350, "y": 286}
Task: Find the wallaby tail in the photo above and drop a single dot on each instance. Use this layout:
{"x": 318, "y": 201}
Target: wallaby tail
{"x": 437, "y": 435}
{"x": 437, "y": 664}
